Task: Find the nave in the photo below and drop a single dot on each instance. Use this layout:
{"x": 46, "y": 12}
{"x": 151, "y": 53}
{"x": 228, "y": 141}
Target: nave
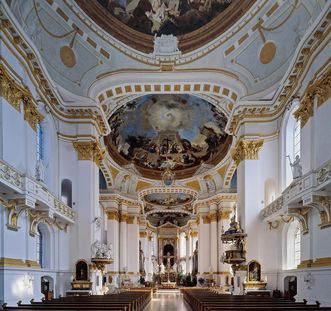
{"x": 185, "y": 299}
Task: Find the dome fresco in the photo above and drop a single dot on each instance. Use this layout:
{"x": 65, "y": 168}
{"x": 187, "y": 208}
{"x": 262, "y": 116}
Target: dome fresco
{"x": 179, "y": 132}
{"x": 175, "y": 17}
{"x": 193, "y": 22}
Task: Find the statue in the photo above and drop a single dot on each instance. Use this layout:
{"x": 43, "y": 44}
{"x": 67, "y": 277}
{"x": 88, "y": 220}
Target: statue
{"x": 156, "y": 267}
{"x": 101, "y": 250}
{"x": 210, "y": 184}
{"x": 40, "y": 171}
{"x": 162, "y": 268}
{"x": 195, "y": 260}
{"x": 141, "y": 261}
{"x": 234, "y": 226}
{"x": 174, "y": 267}
{"x": 296, "y": 167}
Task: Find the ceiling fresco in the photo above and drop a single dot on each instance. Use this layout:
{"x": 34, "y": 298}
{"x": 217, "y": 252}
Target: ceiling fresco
{"x": 168, "y": 199}
{"x": 194, "y": 22}
{"x": 156, "y": 132}
{"x": 160, "y": 218}
{"x": 175, "y": 17}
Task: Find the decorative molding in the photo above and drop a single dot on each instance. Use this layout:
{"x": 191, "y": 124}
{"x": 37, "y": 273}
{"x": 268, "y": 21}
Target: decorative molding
{"x": 89, "y": 150}
{"x": 142, "y": 234}
{"x": 15, "y": 94}
{"x": 224, "y": 214}
{"x": 246, "y": 149}
{"x": 321, "y": 89}
{"x": 112, "y": 215}
{"x": 15, "y": 262}
{"x": 31, "y": 113}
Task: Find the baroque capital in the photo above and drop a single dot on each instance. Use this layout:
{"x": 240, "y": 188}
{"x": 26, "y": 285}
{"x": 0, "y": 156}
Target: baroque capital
{"x": 321, "y": 89}
{"x": 246, "y": 149}
{"x": 89, "y": 150}
{"x": 31, "y": 113}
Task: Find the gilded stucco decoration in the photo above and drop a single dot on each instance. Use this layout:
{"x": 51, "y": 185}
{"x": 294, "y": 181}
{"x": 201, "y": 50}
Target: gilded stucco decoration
{"x": 89, "y": 150}
{"x": 15, "y": 94}
{"x": 321, "y": 89}
{"x": 246, "y": 149}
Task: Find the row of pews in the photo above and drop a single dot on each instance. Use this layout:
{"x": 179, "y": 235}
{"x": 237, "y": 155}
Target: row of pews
{"x": 136, "y": 300}
{"x": 205, "y": 300}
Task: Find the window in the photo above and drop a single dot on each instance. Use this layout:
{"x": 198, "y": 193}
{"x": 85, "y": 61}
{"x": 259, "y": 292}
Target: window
{"x": 66, "y": 192}
{"x": 293, "y": 246}
{"x": 296, "y": 139}
{"x": 40, "y": 154}
{"x": 292, "y": 144}
{"x": 39, "y": 247}
{"x": 297, "y": 246}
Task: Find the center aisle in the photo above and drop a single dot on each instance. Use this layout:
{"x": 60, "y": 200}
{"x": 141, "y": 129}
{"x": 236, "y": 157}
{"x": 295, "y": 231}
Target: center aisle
{"x": 167, "y": 300}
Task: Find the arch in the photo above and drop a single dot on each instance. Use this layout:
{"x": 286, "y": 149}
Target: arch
{"x": 47, "y": 287}
{"x": 50, "y": 153}
{"x": 292, "y": 245}
{"x": 290, "y": 287}
{"x": 66, "y": 192}
{"x": 102, "y": 181}
{"x": 289, "y": 125}
{"x": 269, "y": 191}
{"x": 44, "y": 246}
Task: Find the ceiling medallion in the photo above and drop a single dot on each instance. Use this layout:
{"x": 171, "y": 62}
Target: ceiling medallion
{"x": 67, "y": 56}
{"x": 168, "y": 177}
{"x": 268, "y": 52}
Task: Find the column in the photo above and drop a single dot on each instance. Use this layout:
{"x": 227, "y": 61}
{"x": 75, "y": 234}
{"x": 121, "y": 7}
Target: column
{"x": 223, "y": 224}
{"x": 203, "y": 246}
{"x": 113, "y": 238}
{"x": 213, "y": 242}
{"x": 245, "y": 156}
{"x": 89, "y": 156}
{"x": 188, "y": 253}
{"x": 133, "y": 247}
{"x": 87, "y": 196}
{"x": 123, "y": 239}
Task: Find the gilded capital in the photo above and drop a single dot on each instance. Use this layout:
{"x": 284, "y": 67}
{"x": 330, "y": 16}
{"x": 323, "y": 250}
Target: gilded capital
{"x": 321, "y": 89}
{"x": 246, "y": 149}
{"x": 89, "y": 150}
{"x": 9, "y": 89}
{"x": 224, "y": 214}
{"x": 31, "y": 113}
{"x": 112, "y": 215}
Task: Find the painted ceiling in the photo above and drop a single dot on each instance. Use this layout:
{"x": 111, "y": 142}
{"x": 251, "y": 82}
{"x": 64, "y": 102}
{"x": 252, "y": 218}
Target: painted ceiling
{"x": 142, "y": 19}
{"x": 179, "y": 132}
{"x": 168, "y": 199}
{"x": 160, "y": 218}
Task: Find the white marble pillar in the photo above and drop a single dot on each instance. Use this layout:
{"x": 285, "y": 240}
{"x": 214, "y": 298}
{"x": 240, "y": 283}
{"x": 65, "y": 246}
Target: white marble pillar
{"x": 223, "y": 224}
{"x": 203, "y": 246}
{"x": 188, "y": 253}
{"x": 133, "y": 247}
{"x": 113, "y": 238}
{"x": 213, "y": 245}
{"x": 123, "y": 239}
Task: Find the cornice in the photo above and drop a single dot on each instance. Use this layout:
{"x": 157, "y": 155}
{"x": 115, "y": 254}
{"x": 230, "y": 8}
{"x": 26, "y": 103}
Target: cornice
{"x": 26, "y": 54}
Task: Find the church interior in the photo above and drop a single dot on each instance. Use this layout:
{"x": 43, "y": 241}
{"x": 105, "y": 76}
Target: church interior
{"x": 165, "y": 155}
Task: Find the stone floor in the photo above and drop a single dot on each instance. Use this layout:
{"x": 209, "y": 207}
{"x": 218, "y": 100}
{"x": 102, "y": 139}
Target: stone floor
{"x": 167, "y": 300}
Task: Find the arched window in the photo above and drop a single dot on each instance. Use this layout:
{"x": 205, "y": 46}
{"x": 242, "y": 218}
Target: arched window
{"x": 297, "y": 246}
{"x": 40, "y": 154}
{"x": 66, "y": 192}
{"x": 39, "y": 247}
{"x": 293, "y": 247}
{"x": 292, "y": 143}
